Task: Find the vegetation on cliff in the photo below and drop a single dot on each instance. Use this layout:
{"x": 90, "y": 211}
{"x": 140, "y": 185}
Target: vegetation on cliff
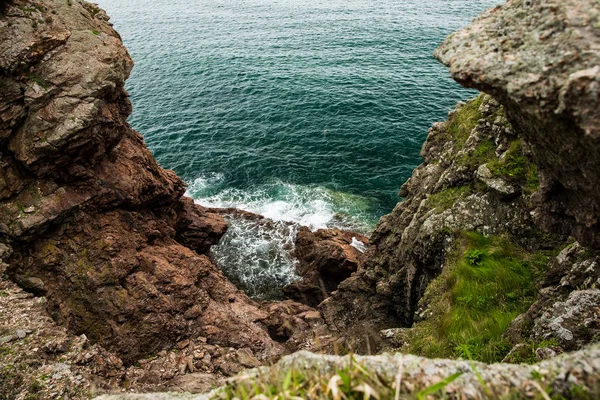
{"x": 486, "y": 283}
{"x": 95, "y": 227}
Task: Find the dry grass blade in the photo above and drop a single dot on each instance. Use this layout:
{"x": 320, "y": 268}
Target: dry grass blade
{"x": 368, "y": 391}
{"x": 334, "y": 388}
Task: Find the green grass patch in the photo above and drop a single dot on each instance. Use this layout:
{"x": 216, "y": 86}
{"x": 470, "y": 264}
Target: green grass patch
{"x": 486, "y": 283}
{"x": 95, "y": 32}
{"x": 516, "y": 167}
{"x": 445, "y": 199}
{"x": 483, "y": 153}
{"x": 464, "y": 120}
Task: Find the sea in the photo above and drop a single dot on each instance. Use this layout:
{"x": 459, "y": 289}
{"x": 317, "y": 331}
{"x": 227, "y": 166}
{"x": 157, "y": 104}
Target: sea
{"x": 309, "y": 112}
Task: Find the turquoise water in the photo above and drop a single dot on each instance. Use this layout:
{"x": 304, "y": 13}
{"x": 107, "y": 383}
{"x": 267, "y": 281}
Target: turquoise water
{"x": 310, "y": 111}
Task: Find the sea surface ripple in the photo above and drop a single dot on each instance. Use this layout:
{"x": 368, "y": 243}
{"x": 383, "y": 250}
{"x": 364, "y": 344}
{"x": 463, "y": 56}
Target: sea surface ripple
{"x": 309, "y": 111}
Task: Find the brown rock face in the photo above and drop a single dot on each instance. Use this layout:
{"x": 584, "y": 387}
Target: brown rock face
{"x": 87, "y": 216}
{"x": 541, "y": 60}
{"x": 325, "y": 258}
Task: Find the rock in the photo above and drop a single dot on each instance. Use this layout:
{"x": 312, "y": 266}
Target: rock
{"x": 574, "y": 323}
{"x": 246, "y": 358}
{"x": 31, "y": 283}
{"x": 94, "y": 223}
{"x": 566, "y": 310}
{"x": 526, "y": 54}
{"x": 325, "y": 258}
{"x": 474, "y": 380}
{"x": 195, "y": 383}
{"x": 545, "y": 353}
{"x": 503, "y": 187}
{"x": 396, "y": 337}
{"x": 20, "y": 333}
{"x": 6, "y": 338}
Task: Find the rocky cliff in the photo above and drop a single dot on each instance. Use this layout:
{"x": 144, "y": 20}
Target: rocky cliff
{"x": 88, "y": 219}
{"x": 541, "y": 60}
{"x": 493, "y": 253}
{"x": 519, "y": 167}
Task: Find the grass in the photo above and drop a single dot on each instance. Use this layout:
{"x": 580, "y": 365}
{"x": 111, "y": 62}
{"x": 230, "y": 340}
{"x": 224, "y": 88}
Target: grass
{"x": 485, "y": 284}
{"x": 446, "y": 198}
{"x": 484, "y": 152}
{"x": 463, "y": 121}
{"x": 516, "y": 167}
{"x": 353, "y": 382}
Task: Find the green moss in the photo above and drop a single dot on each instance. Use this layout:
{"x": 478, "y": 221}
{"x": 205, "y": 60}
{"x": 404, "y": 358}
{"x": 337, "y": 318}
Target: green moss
{"x": 464, "y": 120}
{"x": 486, "y": 283}
{"x": 95, "y": 32}
{"x": 446, "y": 198}
{"x": 516, "y": 167}
{"x": 39, "y": 80}
{"x": 483, "y": 153}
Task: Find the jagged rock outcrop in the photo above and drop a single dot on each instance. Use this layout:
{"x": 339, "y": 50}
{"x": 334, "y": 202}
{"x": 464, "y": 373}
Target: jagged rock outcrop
{"x": 515, "y": 164}
{"x": 325, "y": 258}
{"x": 87, "y": 217}
{"x": 541, "y": 60}
{"x": 446, "y": 194}
{"x": 566, "y": 314}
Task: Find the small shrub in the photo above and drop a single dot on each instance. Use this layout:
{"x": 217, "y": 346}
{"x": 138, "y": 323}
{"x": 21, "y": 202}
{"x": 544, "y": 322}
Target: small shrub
{"x": 474, "y": 256}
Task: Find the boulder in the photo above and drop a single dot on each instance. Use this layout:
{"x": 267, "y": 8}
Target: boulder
{"x": 325, "y": 258}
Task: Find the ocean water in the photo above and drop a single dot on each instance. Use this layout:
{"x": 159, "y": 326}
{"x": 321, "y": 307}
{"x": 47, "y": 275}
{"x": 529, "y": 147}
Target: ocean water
{"x": 306, "y": 111}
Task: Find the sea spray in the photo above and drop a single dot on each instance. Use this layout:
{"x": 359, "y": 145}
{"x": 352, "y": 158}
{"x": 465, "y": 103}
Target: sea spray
{"x": 257, "y": 254}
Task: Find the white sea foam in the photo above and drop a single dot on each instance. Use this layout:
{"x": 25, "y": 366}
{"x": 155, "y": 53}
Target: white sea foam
{"x": 257, "y": 256}
{"x": 358, "y": 245}
{"x": 314, "y": 206}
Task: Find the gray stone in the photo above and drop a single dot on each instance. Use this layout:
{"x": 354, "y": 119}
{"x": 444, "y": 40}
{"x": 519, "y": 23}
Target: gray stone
{"x": 573, "y": 322}
{"x": 540, "y": 60}
{"x": 503, "y": 187}
{"x": 415, "y": 373}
